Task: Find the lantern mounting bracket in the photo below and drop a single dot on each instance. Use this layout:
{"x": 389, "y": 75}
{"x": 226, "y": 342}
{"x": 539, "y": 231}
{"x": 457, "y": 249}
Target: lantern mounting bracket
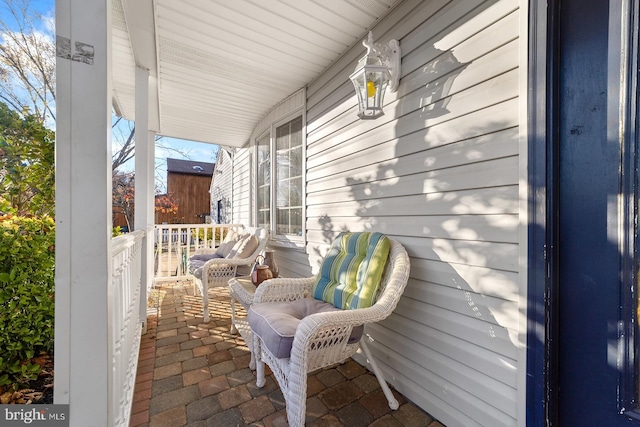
{"x": 390, "y": 56}
{"x": 377, "y": 71}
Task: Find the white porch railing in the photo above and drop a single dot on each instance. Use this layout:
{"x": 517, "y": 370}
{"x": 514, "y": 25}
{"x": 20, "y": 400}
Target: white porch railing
{"x": 125, "y": 324}
{"x": 173, "y": 246}
{"x": 174, "y": 243}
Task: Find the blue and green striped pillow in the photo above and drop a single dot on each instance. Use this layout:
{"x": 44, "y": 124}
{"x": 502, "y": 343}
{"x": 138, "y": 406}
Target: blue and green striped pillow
{"x": 351, "y": 272}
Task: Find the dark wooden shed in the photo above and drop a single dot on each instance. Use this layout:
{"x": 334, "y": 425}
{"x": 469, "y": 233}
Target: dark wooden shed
{"x": 188, "y": 183}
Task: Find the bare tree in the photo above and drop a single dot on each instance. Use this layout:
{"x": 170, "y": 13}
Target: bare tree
{"x": 27, "y": 61}
{"x": 124, "y": 139}
{"x": 123, "y": 195}
{"x": 27, "y": 71}
{"x": 27, "y": 82}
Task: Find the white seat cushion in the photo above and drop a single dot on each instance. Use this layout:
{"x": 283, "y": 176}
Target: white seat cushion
{"x": 197, "y": 261}
{"x": 276, "y": 322}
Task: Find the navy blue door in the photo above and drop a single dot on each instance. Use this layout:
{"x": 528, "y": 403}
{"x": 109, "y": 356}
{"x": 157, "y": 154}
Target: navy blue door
{"x": 589, "y": 367}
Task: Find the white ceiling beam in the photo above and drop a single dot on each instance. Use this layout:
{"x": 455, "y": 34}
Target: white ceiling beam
{"x": 140, "y": 18}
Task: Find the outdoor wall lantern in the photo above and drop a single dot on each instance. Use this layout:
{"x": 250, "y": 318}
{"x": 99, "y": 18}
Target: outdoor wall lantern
{"x": 377, "y": 69}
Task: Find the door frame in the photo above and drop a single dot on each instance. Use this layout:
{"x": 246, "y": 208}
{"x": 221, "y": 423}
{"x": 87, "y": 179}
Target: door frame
{"x": 542, "y": 222}
{"x": 542, "y": 228}
{"x": 623, "y": 109}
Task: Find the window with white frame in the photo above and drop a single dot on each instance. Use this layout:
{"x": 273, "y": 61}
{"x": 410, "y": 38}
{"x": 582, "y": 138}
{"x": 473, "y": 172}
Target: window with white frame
{"x": 263, "y": 181}
{"x": 288, "y": 188}
{"x": 279, "y": 180}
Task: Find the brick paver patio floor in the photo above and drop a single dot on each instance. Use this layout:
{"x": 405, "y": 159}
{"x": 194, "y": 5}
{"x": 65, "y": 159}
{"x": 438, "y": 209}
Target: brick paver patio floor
{"x": 196, "y": 374}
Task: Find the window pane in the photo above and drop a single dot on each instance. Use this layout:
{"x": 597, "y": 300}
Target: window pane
{"x": 264, "y": 182}
{"x": 264, "y": 194}
{"x": 282, "y": 222}
{"x": 261, "y": 173}
{"x": 282, "y": 137}
{"x": 263, "y": 219}
{"x": 295, "y": 196}
{"x": 289, "y": 178}
{"x": 295, "y": 160}
{"x": 296, "y": 132}
{"x": 283, "y": 199}
{"x": 283, "y": 167}
{"x": 289, "y": 221}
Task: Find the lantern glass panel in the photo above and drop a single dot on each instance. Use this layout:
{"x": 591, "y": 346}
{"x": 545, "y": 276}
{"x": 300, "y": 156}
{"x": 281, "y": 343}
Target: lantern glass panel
{"x": 370, "y": 80}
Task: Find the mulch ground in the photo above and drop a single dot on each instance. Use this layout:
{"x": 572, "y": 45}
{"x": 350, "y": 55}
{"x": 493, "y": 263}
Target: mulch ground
{"x": 38, "y": 391}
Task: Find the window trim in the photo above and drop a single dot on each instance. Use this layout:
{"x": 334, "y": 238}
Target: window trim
{"x": 285, "y": 241}
{"x": 254, "y": 181}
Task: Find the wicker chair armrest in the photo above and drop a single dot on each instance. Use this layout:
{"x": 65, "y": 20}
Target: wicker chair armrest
{"x": 283, "y": 289}
{"x": 212, "y": 263}
{"x": 324, "y": 337}
{"x": 319, "y": 323}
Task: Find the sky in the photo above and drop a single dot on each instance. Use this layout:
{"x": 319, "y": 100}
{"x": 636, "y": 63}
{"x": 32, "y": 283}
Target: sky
{"x": 168, "y": 148}
{"x": 182, "y": 149}
{"x": 165, "y": 147}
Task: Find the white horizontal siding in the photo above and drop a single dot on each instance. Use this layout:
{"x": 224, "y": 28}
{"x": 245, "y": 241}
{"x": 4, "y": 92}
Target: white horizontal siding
{"x": 499, "y": 89}
{"x": 242, "y": 195}
{"x": 293, "y": 262}
{"x": 502, "y": 228}
{"x": 494, "y": 144}
{"x": 415, "y": 180}
{"x": 481, "y": 280}
{"x": 440, "y": 173}
{"x": 337, "y": 76}
{"x": 482, "y": 334}
{"x": 464, "y": 352}
{"x": 221, "y": 186}
{"x": 500, "y": 312}
{"x": 495, "y": 393}
{"x": 452, "y": 404}
{"x": 470, "y": 202}
{"x": 495, "y": 255}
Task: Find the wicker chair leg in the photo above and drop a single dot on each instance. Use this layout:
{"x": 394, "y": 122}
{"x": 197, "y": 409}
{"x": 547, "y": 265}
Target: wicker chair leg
{"x": 260, "y": 381}
{"x": 233, "y": 329}
{"x": 196, "y": 289}
{"x": 256, "y": 355}
{"x": 296, "y": 399}
{"x": 252, "y": 349}
{"x": 393, "y": 402}
{"x": 205, "y": 300}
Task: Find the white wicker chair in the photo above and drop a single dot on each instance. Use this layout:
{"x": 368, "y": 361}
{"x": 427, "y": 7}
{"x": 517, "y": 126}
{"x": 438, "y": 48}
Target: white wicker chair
{"x": 322, "y": 339}
{"x": 218, "y": 271}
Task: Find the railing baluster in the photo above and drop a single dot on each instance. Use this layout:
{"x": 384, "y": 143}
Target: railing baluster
{"x": 180, "y": 241}
{"x": 125, "y": 323}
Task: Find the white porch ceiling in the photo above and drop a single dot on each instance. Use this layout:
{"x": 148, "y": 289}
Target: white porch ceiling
{"x": 218, "y": 66}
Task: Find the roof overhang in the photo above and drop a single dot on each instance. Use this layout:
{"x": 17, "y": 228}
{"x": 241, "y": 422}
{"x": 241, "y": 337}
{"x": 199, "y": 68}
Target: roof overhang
{"x": 217, "y": 67}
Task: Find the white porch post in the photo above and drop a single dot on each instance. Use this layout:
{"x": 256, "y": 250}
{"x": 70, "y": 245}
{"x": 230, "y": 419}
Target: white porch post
{"x": 145, "y": 179}
{"x": 83, "y": 208}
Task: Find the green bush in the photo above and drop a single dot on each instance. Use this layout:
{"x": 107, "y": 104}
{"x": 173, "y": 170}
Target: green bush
{"x": 27, "y": 260}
